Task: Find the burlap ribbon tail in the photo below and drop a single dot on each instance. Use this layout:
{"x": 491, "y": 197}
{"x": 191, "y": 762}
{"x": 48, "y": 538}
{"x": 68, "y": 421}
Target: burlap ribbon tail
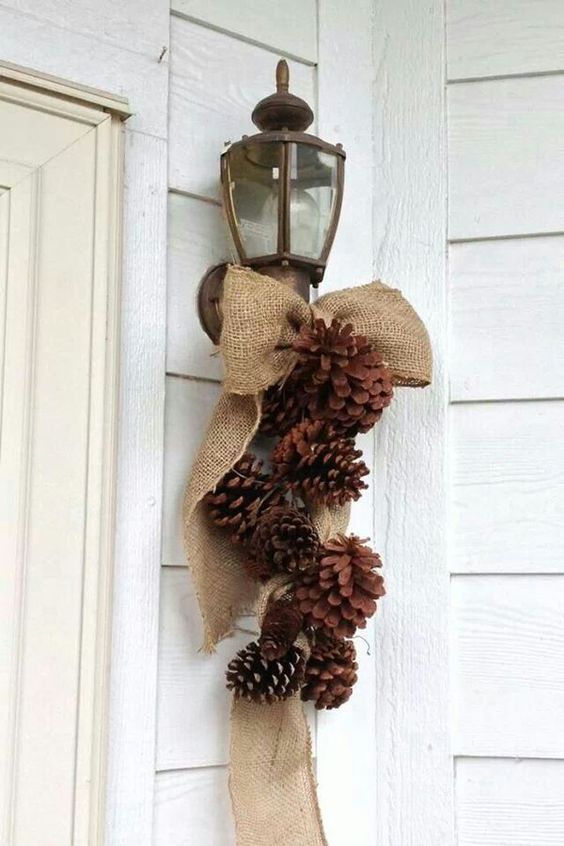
{"x": 271, "y": 780}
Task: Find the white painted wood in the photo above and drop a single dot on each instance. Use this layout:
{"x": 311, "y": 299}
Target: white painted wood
{"x": 509, "y": 802}
{"x": 140, "y": 26}
{"x": 192, "y": 807}
{"x": 36, "y": 128}
{"x": 507, "y": 512}
{"x": 290, "y": 28}
{"x": 189, "y": 406}
{"x": 508, "y": 665}
{"x": 193, "y": 703}
{"x": 494, "y": 37}
{"x": 197, "y": 239}
{"x": 506, "y": 160}
{"x": 414, "y": 787}
{"x": 86, "y": 59}
{"x": 102, "y": 99}
{"x": 507, "y": 313}
{"x": 60, "y": 261}
{"x": 215, "y": 83}
{"x": 346, "y": 745}
{"x": 139, "y": 496}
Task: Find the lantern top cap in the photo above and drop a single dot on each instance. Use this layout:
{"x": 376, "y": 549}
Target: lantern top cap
{"x": 282, "y": 110}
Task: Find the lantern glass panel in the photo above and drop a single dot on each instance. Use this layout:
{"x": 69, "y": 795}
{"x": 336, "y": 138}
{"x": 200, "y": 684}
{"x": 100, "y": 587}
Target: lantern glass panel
{"x": 313, "y": 192}
{"x": 254, "y": 180}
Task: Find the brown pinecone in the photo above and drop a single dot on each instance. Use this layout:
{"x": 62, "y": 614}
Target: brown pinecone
{"x": 344, "y": 379}
{"x": 282, "y": 408}
{"x": 330, "y": 672}
{"x": 320, "y": 464}
{"x": 239, "y": 498}
{"x": 341, "y": 595}
{"x": 284, "y": 540}
{"x": 281, "y": 625}
{"x": 252, "y": 677}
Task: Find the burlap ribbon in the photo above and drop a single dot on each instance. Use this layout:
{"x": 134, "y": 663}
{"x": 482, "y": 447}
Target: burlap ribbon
{"x": 272, "y": 784}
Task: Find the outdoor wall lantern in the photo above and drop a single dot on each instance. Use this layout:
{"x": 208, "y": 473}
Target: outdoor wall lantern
{"x": 282, "y": 191}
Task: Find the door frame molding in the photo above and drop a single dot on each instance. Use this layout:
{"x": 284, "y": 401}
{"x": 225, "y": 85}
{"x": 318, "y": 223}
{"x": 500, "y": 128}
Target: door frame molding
{"x": 102, "y": 114}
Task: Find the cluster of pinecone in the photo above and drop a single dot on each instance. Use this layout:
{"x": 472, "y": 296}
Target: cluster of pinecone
{"x": 338, "y": 388}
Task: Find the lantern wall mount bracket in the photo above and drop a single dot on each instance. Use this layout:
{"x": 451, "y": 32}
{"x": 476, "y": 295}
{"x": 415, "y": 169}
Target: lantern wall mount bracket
{"x": 282, "y": 119}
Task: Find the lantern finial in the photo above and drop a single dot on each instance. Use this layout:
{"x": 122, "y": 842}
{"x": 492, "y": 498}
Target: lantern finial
{"x": 282, "y": 76}
{"x": 282, "y": 110}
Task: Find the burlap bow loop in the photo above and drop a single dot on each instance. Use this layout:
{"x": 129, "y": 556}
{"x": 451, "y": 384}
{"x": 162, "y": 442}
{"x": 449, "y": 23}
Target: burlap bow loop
{"x": 261, "y": 318}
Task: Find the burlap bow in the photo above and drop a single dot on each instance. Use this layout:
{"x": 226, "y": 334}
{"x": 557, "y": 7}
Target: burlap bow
{"x": 270, "y": 760}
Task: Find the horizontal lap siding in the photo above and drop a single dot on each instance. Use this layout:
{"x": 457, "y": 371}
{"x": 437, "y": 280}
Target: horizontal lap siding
{"x": 506, "y": 174}
{"x": 192, "y": 808}
{"x": 507, "y": 495}
{"x": 508, "y": 684}
{"x": 509, "y": 802}
{"x": 507, "y": 319}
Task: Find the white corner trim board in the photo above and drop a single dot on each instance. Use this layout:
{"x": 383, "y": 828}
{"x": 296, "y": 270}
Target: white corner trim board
{"x": 60, "y": 257}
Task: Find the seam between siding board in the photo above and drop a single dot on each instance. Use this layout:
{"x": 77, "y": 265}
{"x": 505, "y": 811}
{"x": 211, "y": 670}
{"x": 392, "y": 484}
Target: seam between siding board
{"x": 193, "y": 196}
{"x": 495, "y": 77}
{"x": 175, "y": 13}
{"x": 189, "y": 378}
{"x": 509, "y": 237}
{"x": 555, "y": 398}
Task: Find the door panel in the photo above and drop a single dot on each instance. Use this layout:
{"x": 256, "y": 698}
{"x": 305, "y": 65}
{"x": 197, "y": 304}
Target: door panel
{"x": 59, "y": 228}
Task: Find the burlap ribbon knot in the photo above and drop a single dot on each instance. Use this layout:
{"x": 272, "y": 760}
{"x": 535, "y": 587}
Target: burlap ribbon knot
{"x": 272, "y": 784}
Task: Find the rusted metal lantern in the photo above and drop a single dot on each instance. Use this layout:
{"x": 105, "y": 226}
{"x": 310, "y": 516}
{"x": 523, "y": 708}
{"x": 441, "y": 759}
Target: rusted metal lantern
{"x": 282, "y": 192}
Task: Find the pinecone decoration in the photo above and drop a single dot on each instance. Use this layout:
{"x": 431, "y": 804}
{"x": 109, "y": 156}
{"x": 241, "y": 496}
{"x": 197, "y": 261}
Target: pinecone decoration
{"x": 282, "y": 408}
{"x": 344, "y": 379}
{"x": 284, "y": 540}
{"x": 341, "y": 595}
{"x": 240, "y": 496}
{"x": 330, "y": 672}
{"x": 252, "y": 677}
{"x": 281, "y": 625}
{"x": 318, "y": 463}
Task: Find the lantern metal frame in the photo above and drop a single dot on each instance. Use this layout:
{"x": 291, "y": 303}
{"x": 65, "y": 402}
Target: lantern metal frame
{"x": 284, "y": 255}
{"x": 282, "y": 118}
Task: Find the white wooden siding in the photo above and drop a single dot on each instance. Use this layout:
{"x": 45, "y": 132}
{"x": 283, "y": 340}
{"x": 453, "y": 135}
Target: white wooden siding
{"x": 507, "y": 314}
{"x": 508, "y": 681}
{"x": 197, "y": 239}
{"x": 193, "y": 807}
{"x": 510, "y": 802}
{"x": 507, "y": 505}
{"x": 506, "y": 159}
{"x": 506, "y": 527}
{"x": 289, "y": 28}
{"x": 503, "y": 37}
{"x": 414, "y": 766}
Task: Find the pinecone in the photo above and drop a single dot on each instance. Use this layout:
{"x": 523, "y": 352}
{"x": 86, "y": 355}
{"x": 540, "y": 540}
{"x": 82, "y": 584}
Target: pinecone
{"x": 281, "y": 625}
{"x": 284, "y": 540}
{"x": 344, "y": 380}
{"x": 238, "y": 499}
{"x": 252, "y": 677}
{"x": 320, "y": 464}
{"x": 282, "y": 408}
{"x": 330, "y": 672}
{"x": 341, "y": 595}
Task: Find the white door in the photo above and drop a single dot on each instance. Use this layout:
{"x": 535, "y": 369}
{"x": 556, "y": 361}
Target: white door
{"x": 59, "y": 213}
